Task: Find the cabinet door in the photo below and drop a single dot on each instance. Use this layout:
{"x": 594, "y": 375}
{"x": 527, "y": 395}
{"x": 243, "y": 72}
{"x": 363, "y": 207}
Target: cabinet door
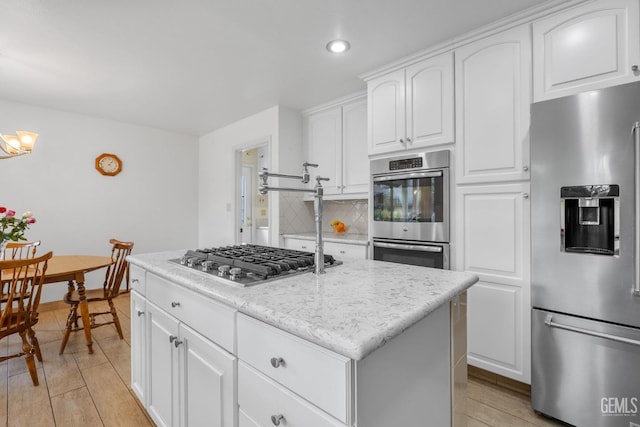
{"x": 208, "y": 385}
{"x": 325, "y": 147}
{"x": 386, "y": 113}
{"x": 429, "y": 101}
{"x": 163, "y": 367}
{"x": 492, "y": 108}
{"x": 587, "y": 47}
{"x": 355, "y": 158}
{"x": 138, "y": 347}
{"x": 494, "y": 243}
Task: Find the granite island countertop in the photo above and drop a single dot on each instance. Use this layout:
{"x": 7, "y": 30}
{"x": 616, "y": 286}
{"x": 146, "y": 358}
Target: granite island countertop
{"x": 352, "y": 309}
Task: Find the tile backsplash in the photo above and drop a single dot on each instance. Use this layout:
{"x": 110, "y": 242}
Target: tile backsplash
{"x": 296, "y": 215}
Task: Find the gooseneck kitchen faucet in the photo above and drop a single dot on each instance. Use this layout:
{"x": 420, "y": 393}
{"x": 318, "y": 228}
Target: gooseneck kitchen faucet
{"x": 317, "y": 191}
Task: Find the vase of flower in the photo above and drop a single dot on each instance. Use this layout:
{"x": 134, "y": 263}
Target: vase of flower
{"x": 12, "y": 228}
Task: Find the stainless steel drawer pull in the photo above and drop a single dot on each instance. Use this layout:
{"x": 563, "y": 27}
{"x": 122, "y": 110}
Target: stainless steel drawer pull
{"x": 172, "y": 338}
{"x": 140, "y": 313}
{"x": 276, "y": 362}
{"x": 134, "y": 280}
{"x": 276, "y": 419}
{"x": 549, "y": 322}
{"x": 175, "y": 304}
{"x": 176, "y": 343}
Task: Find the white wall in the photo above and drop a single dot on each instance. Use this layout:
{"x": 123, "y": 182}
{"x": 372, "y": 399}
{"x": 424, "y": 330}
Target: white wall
{"x": 217, "y": 170}
{"x": 152, "y": 202}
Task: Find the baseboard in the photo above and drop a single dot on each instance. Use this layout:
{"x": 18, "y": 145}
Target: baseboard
{"x": 499, "y": 380}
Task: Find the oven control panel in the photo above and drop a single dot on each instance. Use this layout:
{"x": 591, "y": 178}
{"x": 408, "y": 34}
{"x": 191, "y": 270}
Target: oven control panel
{"x": 415, "y": 162}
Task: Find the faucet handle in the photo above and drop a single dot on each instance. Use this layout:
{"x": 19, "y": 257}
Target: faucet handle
{"x": 305, "y": 174}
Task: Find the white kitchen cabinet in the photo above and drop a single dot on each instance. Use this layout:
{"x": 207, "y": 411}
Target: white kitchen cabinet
{"x": 493, "y": 223}
{"x": 590, "y": 46}
{"x": 340, "y": 251}
{"x": 493, "y": 96}
{"x": 138, "y": 346}
{"x": 191, "y": 380}
{"x": 412, "y": 107}
{"x": 337, "y": 142}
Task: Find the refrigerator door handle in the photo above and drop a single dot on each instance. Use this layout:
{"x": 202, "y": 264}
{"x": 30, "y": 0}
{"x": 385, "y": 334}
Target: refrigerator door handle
{"x": 636, "y": 275}
{"x": 550, "y": 323}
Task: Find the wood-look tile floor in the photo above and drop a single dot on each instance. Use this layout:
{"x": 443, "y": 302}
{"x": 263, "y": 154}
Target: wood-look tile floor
{"x": 79, "y": 389}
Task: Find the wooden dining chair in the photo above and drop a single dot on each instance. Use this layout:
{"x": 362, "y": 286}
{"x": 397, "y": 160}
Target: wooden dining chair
{"x": 114, "y": 276}
{"x": 23, "y": 280}
{"x": 21, "y": 250}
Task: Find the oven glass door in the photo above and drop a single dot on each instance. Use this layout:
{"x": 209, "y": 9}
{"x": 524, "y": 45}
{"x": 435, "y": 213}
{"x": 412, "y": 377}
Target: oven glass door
{"x": 422, "y": 254}
{"x": 411, "y": 206}
{"x": 415, "y": 197}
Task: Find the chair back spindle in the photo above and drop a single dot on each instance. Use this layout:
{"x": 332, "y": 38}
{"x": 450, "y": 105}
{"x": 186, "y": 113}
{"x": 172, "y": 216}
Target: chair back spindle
{"x": 116, "y": 272}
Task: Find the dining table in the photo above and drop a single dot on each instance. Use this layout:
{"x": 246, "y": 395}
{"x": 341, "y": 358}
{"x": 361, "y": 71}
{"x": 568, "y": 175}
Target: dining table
{"x": 72, "y": 269}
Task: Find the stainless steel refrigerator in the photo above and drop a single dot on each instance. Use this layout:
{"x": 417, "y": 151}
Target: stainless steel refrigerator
{"x": 585, "y": 277}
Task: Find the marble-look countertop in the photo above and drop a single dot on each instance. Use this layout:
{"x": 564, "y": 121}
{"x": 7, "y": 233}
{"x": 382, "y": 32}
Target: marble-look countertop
{"x": 352, "y": 239}
{"x": 352, "y": 309}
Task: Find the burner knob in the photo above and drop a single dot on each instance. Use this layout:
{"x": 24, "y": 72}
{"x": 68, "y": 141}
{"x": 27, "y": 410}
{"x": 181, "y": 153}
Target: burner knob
{"x": 183, "y": 260}
{"x": 193, "y": 262}
{"x": 207, "y": 265}
{"x": 223, "y": 270}
{"x": 235, "y": 273}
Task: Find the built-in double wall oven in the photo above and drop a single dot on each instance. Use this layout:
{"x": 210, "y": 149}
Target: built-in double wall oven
{"x": 410, "y": 208}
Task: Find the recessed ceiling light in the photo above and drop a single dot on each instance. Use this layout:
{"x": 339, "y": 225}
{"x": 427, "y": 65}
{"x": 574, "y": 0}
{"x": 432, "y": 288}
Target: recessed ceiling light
{"x": 338, "y": 46}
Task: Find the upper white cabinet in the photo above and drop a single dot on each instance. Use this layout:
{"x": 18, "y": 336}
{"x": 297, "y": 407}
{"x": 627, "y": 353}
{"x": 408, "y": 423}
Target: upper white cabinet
{"x": 337, "y": 142}
{"x": 412, "y": 107}
{"x": 587, "y": 47}
{"x": 492, "y": 108}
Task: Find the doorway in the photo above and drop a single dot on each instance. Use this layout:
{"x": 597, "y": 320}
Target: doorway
{"x": 253, "y": 208}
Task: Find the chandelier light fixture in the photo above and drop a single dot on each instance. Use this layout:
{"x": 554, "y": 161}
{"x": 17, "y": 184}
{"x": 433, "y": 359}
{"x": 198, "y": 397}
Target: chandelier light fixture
{"x": 17, "y": 145}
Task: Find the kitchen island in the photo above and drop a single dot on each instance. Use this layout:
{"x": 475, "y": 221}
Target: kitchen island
{"x": 368, "y": 343}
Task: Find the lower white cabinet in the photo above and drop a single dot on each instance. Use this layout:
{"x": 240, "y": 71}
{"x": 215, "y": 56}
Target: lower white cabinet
{"x": 138, "y": 346}
{"x": 181, "y": 375}
{"x": 493, "y": 223}
{"x": 340, "y": 251}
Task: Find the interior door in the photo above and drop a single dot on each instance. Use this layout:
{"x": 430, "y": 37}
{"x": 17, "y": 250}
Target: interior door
{"x": 246, "y": 204}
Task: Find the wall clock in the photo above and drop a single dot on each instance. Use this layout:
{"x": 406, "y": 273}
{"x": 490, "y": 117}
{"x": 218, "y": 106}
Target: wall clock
{"x": 108, "y": 164}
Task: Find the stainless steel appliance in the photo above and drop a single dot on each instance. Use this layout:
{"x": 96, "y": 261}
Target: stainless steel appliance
{"x": 246, "y": 265}
{"x": 410, "y": 205}
{"x": 585, "y": 276}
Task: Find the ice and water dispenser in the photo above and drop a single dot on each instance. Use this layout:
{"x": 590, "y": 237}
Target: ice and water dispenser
{"x": 590, "y": 219}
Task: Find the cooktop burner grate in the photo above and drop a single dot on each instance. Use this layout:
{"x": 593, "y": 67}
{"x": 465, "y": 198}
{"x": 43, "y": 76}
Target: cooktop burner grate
{"x": 251, "y": 264}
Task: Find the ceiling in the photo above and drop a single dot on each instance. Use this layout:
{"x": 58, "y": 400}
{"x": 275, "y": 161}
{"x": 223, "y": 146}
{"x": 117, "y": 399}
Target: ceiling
{"x": 193, "y": 66}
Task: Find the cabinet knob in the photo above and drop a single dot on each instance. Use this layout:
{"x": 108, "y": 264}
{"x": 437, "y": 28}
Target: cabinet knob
{"x": 276, "y": 419}
{"x": 175, "y": 304}
{"x": 276, "y": 362}
{"x": 634, "y": 68}
{"x": 401, "y": 141}
{"x": 140, "y": 313}
{"x": 408, "y": 140}
{"x": 525, "y": 168}
{"x": 525, "y": 195}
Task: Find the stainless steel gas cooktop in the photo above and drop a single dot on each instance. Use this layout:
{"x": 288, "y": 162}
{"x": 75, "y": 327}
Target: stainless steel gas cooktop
{"x": 246, "y": 265}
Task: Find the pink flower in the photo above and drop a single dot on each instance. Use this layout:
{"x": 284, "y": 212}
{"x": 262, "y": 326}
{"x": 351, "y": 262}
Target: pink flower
{"x": 10, "y": 213}
{"x": 32, "y": 220}
{"x": 3, "y": 209}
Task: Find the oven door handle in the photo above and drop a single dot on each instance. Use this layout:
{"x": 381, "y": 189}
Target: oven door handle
{"x": 421, "y": 248}
{"x": 382, "y": 178}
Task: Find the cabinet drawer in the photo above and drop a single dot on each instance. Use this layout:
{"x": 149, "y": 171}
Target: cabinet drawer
{"x": 260, "y": 398}
{"x": 344, "y": 251}
{"x": 213, "y": 320}
{"x": 317, "y": 374}
{"x": 300, "y": 244}
{"x": 137, "y": 279}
